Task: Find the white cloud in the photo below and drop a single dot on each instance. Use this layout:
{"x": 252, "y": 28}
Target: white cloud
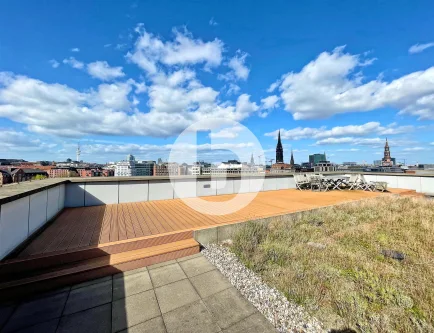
{"x": 54, "y": 63}
{"x": 239, "y": 71}
{"x": 212, "y": 22}
{"x": 348, "y": 150}
{"x": 13, "y": 141}
{"x": 107, "y": 45}
{"x": 102, "y": 70}
{"x": 373, "y": 142}
{"x": 418, "y": 48}
{"x": 270, "y": 102}
{"x": 74, "y": 63}
{"x": 333, "y": 83}
{"x": 75, "y": 49}
{"x": 414, "y": 149}
{"x": 226, "y": 133}
{"x": 299, "y": 133}
{"x": 150, "y": 50}
{"x": 233, "y": 89}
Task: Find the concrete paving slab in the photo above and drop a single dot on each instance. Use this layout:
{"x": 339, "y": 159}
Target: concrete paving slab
{"x": 196, "y": 266}
{"x": 131, "y": 272}
{"x": 155, "y": 325}
{"x": 190, "y": 318}
{"x": 88, "y": 297}
{"x": 256, "y": 323}
{"x": 210, "y": 283}
{"x": 189, "y": 257}
{"x": 175, "y": 295}
{"x": 95, "y": 320}
{"x": 229, "y": 307}
{"x": 125, "y": 286}
{"x": 36, "y": 311}
{"x": 88, "y": 283}
{"x": 46, "y": 327}
{"x": 161, "y": 264}
{"x": 134, "y": 310}
{"x": 166, "y": 274}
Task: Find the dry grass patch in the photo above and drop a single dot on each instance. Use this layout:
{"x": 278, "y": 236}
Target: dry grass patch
{"x": 349, "y": 283}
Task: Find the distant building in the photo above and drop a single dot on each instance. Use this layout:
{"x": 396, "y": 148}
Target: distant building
{"x": 145, "y": 168}
{"x": 377, "y": 162}
{"x": 5, "y": 177}
{"x": 200, "y": 168}
{"x": 349, "y": 163}
{"x": 62, "y": 172}
{"x": 23, "y": 174}
{"x": 166, "y": 169}
{"x": 125, "y": 169}
{"x": 324, "y": 166}
{"x": 316, "y": 158}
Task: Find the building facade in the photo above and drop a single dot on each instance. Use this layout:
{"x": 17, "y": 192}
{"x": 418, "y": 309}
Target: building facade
{"x": 166, "y": 169}
{"x": 316, "y": 158}
{"x": 145, "y": 168}
{"x": 324, "y": 166}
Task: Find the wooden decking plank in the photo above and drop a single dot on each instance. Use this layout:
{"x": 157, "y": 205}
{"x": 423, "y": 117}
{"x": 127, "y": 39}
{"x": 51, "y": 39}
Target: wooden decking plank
{"x": 93, "y": 221}
{"x": 146, "y": 219}
{"x": 177, "y": 217}
{"x": 129, "y": 223}
{"x": 99, "y": 225}
{"x": 106, "y": 226}
{"x": 134, "y": 221}
{"x": 80, "y": 228}
{"x": 161, "y": 222}
{"x": 167, "y": 220}
{"x": 121, "y": 222}
{"x": 140, "y": 219}
{"x": 152, "y": 218}
{"x": 114, "y": 224}
{"x": 68, "y": 232}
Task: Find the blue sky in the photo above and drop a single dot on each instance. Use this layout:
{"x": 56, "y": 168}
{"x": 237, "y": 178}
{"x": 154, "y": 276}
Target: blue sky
{"x": 127, "y": 77}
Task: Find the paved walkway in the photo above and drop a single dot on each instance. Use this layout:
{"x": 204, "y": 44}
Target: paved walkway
{"x": 187, "y": 295}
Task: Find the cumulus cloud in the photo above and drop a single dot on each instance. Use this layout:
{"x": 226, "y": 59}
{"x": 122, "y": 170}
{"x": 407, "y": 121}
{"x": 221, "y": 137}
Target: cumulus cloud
{"x": 13, "y": 140}
{"x": 75, "y": 49}
{"x": 226, "y": 133}
{"x": 74, "y": 63}
{"x": 333, "y": 83}
{"x": 299, "y": 133}
{"x": 102, "y": 70}
{"x": 270, "y": 102}
{"x": 54, "y": 63}
{"x": 418, "y": 48}
{"x": 150, "y": 51}
{"x": 414, "y": 149}
{"x": 239, "y": 71}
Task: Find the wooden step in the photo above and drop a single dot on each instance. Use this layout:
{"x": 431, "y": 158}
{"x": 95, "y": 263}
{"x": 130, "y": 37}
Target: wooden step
{"x": 15, "y": 268}
{"x": 88, "y": 269}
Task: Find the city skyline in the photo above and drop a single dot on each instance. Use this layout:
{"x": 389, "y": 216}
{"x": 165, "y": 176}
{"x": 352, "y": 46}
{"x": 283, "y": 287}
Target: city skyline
{"x": 131, "y": 81}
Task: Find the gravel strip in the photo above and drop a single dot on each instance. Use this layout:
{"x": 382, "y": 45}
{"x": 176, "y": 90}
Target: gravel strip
{"x": 285, "y": 316}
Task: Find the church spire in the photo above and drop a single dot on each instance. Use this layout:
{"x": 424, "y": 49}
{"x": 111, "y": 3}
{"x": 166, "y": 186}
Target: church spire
{"x": 292, "y": 159}
{"x": 279, "y": 150}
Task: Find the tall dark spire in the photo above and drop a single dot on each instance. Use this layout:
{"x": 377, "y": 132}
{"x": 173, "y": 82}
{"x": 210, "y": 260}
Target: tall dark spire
{"x": 279, "y": 150}
{"x": 252, "y": 161}
{"x": 292, "y": 159}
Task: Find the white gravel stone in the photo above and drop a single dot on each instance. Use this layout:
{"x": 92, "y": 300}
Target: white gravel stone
{"x": 284, "y": 315}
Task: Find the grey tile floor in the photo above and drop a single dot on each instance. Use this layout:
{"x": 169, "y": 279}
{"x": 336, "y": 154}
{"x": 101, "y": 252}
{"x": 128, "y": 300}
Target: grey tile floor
{"x": 187, "y": 295}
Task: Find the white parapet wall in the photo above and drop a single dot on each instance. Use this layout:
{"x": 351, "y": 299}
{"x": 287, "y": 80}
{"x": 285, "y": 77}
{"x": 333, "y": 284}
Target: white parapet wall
{"x": 22, "y": 217}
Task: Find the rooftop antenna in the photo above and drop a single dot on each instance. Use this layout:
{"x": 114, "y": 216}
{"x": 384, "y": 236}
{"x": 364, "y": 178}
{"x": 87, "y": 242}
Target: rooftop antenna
{"x": 78, "y": 152}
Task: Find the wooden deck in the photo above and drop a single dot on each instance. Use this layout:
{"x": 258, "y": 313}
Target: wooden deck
{"x": 95, "y": 227}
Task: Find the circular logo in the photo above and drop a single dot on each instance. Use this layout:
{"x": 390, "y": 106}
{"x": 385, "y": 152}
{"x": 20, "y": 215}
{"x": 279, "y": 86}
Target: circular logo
{"x": 217, "y": 185}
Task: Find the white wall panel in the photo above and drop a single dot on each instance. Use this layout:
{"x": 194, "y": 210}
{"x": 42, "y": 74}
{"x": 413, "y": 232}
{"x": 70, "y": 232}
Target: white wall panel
{"x": 74, "y": 195}
{"x": 38, "y": 210}
{"x": 53, "y": 202}
{"x": 411, "y": 183}
{"x": 270, "y": 184}
{"x": 291, "y": 182}
{"x": 391, "y": 181}
{"x": 62, "y": 196}
{"x": 205, "y": 187}
{"x": 14, "y": 224}
{"x": 282, "y": 183}
{"x": 256, "y": 184}
{"x": 427, "y": 185}
{"x": 225, "y": 186}
{"x": 241, "y": 185}
{"x": 160, "y": 190}
{"x": 101, "y": 193}
{"x": 133, "y": 191}
{"x": 185, "y": 188}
